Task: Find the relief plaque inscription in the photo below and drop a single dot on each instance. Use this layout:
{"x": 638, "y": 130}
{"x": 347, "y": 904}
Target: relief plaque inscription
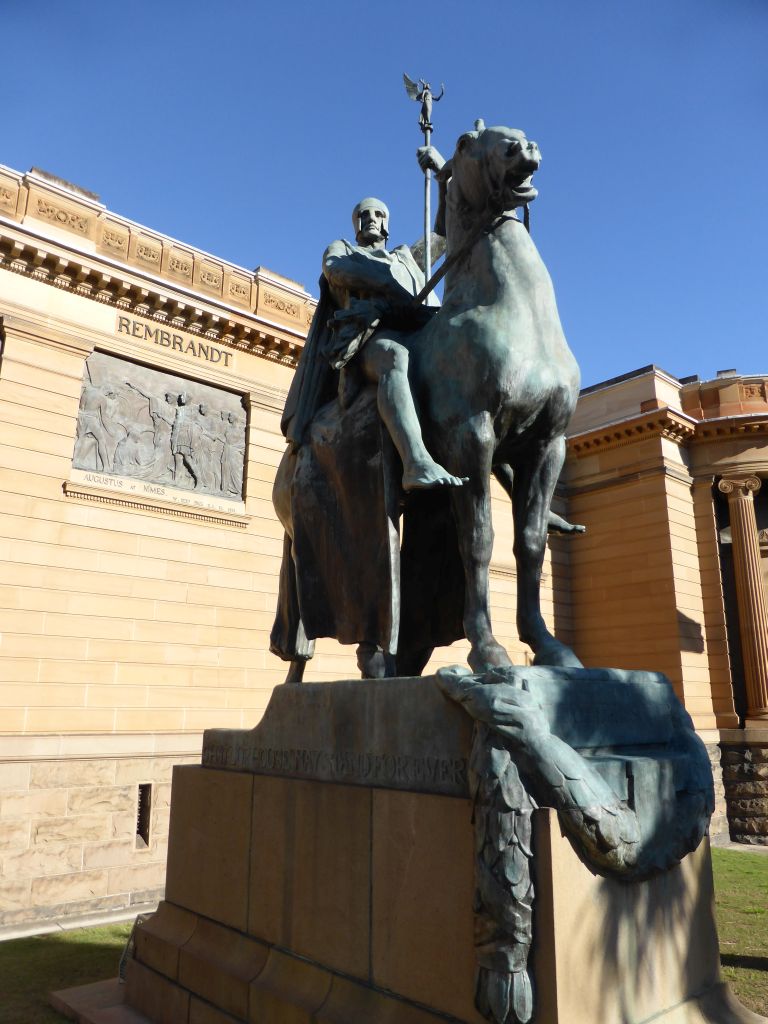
{"x": 134, "y": 421}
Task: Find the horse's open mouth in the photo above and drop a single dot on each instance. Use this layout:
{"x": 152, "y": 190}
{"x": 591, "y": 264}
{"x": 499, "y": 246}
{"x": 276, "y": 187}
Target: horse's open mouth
{"x": 519, "y": 190}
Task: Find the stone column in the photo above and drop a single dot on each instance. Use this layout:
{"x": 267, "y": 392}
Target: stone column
{"x": 750, "y": 595}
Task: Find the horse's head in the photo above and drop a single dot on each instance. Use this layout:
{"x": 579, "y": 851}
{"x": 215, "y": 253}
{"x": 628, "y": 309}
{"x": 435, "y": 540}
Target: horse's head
{"x": 491, "y": 171}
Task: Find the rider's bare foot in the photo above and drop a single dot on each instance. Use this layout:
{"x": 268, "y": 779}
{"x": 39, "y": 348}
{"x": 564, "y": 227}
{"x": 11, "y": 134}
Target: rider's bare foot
{"x": 422, "y": 476}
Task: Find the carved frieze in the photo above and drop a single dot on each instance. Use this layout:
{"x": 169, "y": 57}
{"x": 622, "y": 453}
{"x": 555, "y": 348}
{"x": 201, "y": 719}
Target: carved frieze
{"x": 148, "y": 252}
{"x": 135, "y": 421}
{"x": 114, "y": 239}
{"x": 179, "y": 264}
{"x": 754, "y": 391}
{"x": 208, "y": 276}
{"x": 282, "y": 305}
{"x": 9, "y": 196}
{"x": 239, "y": 290}
{"x": 61, "y": 214}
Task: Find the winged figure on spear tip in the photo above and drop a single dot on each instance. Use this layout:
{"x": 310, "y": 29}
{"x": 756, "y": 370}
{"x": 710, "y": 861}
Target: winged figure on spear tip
{"x": 421, "y": 92}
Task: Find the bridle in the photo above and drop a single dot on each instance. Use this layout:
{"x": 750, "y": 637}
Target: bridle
{"x": 486, "y": 226}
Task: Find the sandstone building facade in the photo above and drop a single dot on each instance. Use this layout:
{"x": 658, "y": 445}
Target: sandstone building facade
{"x": 141, "y": 385}
{"x": 666, "y": 474}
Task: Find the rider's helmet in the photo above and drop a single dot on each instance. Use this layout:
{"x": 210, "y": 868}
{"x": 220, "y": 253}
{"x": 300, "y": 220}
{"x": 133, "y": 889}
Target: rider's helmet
{"x": 371, "y": 203}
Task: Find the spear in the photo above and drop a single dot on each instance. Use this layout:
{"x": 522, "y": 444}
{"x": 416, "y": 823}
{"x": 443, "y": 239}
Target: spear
{"x": 421, "y": 92}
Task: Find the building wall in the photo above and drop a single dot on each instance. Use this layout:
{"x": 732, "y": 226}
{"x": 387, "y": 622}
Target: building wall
{"x": 115, "y": 606}
{"x": 650, "y": 581}
{"x": 69, "y": 845}
{"x": 129, "y": 623}
{"x": 646, "y": 578}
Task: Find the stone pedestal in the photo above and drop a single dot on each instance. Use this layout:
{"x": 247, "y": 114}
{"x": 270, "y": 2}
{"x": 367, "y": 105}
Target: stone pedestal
{"x": 321, "y": 871}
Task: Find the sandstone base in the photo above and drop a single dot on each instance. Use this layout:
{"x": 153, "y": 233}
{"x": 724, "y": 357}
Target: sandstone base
{"x": 295, "y": 902}
{"x": 346, "y": 898}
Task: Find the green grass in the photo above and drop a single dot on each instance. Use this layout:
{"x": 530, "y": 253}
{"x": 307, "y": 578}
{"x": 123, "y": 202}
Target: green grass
{"x": 741, "y": 897}
{"x": 31, "y": 968}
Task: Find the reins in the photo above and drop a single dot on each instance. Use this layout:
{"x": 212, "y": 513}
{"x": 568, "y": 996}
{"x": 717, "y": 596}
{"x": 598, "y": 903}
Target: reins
{"x": 484, "y": 227}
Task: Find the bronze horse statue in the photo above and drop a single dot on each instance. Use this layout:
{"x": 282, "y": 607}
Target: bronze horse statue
{"x": 495, "y": 384}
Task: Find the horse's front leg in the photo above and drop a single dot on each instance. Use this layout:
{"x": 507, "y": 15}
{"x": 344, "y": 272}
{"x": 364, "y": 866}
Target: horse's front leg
{"x": 472, "y": 512}
{"x": 533, "y": 485}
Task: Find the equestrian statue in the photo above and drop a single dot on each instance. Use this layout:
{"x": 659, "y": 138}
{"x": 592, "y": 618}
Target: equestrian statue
{"x": 400, "y": 412}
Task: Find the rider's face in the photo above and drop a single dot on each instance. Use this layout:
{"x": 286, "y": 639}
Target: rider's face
{"x": 371, "y": 226}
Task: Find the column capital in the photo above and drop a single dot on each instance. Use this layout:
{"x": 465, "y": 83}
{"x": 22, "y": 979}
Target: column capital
{"x": 740, "y": 486}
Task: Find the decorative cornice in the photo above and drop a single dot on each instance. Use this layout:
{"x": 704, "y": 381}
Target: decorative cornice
{"x": 731, "y": 426}
{"x": 33, "y": 261}
{"x": 664, "y": 422}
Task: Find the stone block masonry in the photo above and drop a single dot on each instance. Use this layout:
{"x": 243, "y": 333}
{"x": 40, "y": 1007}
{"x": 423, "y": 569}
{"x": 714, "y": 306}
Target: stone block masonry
{"x": 70, "y": 841}
{"x": 745, "y": 777}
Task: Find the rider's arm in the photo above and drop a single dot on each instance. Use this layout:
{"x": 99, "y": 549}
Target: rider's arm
{"x": 418, "y": 250}
{"x": 430, "y": 159}
{"x": 359, "y": 274}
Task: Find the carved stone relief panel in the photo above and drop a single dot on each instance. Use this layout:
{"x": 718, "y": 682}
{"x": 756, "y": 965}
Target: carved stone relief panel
{"x": 9, "y": 195}
{"x": 139, "y": 422}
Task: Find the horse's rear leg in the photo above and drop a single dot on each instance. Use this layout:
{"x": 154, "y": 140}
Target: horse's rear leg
{"x": 472, "y": 511}
{"x": 534, "y": 483}
{"x": 413, "y": 662}
{"x": 373, "y": 662}
{"x": 296, "y": 671}
{"x": 555, "y": 523}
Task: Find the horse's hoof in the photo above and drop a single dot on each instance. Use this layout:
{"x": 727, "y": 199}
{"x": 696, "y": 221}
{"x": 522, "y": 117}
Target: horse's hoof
{"x": 552, "y": 652}
{"x": 484, "y": 658}
{"x": 374, "y": 663}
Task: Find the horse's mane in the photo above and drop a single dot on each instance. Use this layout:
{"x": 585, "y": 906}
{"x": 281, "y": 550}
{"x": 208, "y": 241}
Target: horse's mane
{"x": 452, "y": 198}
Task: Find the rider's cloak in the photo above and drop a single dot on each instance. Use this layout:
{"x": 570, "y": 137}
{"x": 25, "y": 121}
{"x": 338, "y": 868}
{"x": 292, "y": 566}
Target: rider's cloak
{"x": 351, "y": 580}
{"x": 314, "y": 382}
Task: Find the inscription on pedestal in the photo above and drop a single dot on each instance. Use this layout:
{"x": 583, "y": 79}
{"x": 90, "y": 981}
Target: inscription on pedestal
{"x": 364, "y": 769}
{"x": 385, "y": 733}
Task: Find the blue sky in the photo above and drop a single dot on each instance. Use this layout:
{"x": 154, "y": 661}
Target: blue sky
{"x": 250, "y": 129}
